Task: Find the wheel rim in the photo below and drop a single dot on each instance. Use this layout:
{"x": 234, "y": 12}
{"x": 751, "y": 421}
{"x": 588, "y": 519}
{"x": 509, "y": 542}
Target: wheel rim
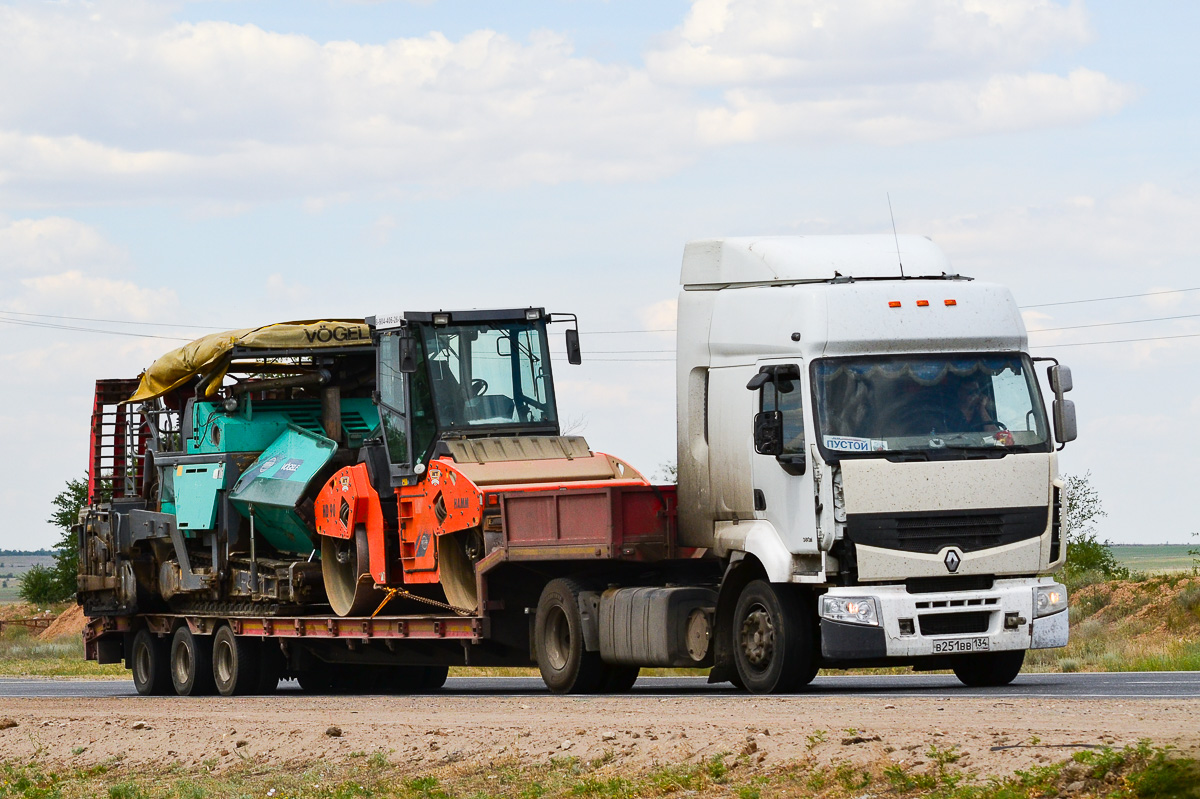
{"x": 757, "y": 637}
{"x": 141, "y": 664}
{"x": 223, "y": 658}
{"x": 558, "y": 639}
{"x": 183, "y": 664}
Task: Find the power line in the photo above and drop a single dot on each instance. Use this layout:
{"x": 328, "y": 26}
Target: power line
{"x": 109, "y": 321}
{"x": 1105, "y": 299}
{"x": 1110, "y": 324}
{"x": 1116, "y": 341}
{"x": 29, "y": 323}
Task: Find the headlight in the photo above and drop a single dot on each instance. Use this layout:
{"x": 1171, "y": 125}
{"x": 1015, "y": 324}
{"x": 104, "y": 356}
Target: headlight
{"x": 1050, "y": 599}
{"x": 852, "y": 609}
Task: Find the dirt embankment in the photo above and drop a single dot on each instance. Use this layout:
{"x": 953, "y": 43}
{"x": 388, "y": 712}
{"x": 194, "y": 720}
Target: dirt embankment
{"x": 430, "y": 732}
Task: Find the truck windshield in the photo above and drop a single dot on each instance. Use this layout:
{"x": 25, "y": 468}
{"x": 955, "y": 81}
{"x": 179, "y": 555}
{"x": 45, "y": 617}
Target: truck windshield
{"x": 872, "y": 406}
{"x": 490, "y": 375}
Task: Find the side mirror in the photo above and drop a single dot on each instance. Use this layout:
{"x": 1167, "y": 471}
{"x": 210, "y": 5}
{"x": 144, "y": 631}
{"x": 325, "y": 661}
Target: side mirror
{"x": 1065, "y": 427}
{"x": 408, "y": 355}
{"x": 574, "y": 356}
{"x": 1060, "y": 380}
{"x": 768, "y": 433}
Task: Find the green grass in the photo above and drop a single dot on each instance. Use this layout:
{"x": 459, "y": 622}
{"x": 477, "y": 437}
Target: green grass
{"x": 1135, "y": 771}
{"x": 12, "y": 568}
{"x": 1156, "y": 558}
{"x": 22, "y": 654}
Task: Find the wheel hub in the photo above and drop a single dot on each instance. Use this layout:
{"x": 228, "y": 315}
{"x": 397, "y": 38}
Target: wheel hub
{"x": 757, "y": 637}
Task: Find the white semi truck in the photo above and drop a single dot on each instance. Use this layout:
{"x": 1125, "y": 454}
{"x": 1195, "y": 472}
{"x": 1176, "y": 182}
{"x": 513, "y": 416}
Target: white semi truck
{"x": 867, "y": 476}
{"x": 862, "y": 439}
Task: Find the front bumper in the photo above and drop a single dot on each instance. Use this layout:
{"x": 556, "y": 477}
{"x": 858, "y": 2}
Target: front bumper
{"x": 922, "y": 625}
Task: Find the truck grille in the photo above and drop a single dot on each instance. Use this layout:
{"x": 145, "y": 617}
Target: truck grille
{"x": 929, "y": 533}
{"x": 954, "y": 623}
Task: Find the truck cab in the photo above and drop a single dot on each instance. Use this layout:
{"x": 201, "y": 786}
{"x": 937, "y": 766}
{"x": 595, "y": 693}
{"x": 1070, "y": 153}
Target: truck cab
{"x": 863, "y": 432}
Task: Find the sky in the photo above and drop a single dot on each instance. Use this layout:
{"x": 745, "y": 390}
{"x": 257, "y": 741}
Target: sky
{"x": 177, "y": 167}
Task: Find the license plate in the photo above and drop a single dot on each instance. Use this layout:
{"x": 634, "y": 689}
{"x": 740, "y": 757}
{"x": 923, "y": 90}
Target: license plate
{"x": 962, "y": 645}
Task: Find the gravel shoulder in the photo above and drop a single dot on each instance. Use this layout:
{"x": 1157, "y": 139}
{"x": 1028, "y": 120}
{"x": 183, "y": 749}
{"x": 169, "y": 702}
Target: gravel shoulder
{"x": 424, "y": 733}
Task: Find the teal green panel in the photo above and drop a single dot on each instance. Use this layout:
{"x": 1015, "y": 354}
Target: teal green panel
{"x": 197, "y": 488}
{"x": 254, "y": 426}
{"x": 277, "y": 481}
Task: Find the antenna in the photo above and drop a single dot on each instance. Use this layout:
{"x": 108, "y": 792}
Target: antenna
{"x": 895, "y": 234}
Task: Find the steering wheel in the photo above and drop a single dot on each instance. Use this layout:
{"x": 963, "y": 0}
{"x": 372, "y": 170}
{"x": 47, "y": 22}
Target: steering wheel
{"x": 478, "y": 386}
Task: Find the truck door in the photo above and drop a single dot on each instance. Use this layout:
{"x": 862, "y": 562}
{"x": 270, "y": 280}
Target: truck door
{"x": 781, "y": 472}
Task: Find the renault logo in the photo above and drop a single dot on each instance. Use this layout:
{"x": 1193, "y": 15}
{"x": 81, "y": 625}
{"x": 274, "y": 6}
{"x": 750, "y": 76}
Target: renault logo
{"x": 952, "y": 561}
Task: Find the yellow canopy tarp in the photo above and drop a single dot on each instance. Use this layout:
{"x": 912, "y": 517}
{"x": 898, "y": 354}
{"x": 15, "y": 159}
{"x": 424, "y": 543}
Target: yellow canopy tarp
{"x": 201, "y": 356}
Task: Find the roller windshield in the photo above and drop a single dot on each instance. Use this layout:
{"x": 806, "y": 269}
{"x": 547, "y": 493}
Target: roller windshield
{"x": 490, "y": 375}
{"x": 937, "y": 405}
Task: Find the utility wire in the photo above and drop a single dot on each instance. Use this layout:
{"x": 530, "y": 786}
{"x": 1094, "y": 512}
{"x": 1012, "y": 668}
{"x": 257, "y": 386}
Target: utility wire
{"x": 1106, "y": 299}
{"x": 30, "y": 323}
{"x": 1117, "y": 341}
{"x": 1110, "y": 324}
{"x": 109, "y": 321}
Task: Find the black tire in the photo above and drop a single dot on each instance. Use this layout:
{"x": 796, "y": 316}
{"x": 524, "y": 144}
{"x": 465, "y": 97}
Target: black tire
{"x": 989, "y": 669}
{"x": 566, "y": 665}
{"x": 149, "y": 661}
{"x": 191, "y": 663}
{"x": 619, "y": 679}
{"x": 235, "y": 663}
{"x": 772, "y": 639}
{"x": 270, "y": 667}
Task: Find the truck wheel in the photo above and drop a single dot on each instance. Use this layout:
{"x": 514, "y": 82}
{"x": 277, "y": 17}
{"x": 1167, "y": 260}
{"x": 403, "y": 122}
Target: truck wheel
{"x": 148, "y": 662}
{"x": 191, "y": 663}
{"x": 989, "y": 669}
{"x": 235, "y": 663}
{"x": 772, "y": 640}
{"x": 566, "y": 665}
{"x": 619, "y": 679}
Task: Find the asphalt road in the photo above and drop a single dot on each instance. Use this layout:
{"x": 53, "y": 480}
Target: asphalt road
{"x": 1140, "y": 685}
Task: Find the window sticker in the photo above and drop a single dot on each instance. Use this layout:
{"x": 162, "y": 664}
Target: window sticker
{"x": 852, "y": 444}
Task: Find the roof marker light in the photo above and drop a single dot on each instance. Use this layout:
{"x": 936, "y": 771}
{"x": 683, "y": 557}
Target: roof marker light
{"x": 894, "y": 304}
{"x": 951, "y": 302}
{"x": 922, "y": 303}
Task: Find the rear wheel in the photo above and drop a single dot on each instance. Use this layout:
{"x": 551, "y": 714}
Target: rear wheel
{"x": 566, "y": 665}
{"x": 346, "y": 573}
{"x": 150, "y": 663}
{"x": 235, "y": 663}
{"x": 191, "y": 663}
{"x": 989, "y": 669}
{"x": 772, "y": 640}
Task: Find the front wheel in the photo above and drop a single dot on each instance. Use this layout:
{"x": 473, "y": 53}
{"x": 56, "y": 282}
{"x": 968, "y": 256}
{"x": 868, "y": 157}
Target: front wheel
{"x": 989, "y": 669}
{"x": 772, "y": 639}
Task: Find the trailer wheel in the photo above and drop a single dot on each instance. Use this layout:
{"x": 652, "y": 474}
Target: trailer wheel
{"x": 566, "y": 665}
{"x": 191, "y": 663}
{"x": 989, "y": 669}
{"x": 148, "y": 662}
{"x": 619, "y": 679}
{"x": 315, "y": 681}
{"x": 772, "y": 640}
{"x": 235, "y": 663}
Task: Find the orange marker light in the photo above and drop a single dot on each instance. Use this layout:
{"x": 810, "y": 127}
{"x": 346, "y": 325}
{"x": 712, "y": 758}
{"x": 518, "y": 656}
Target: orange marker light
{"x": 894, "y": 304}
{"x": 922, "y": 303}
{"x": 951, "y": 302}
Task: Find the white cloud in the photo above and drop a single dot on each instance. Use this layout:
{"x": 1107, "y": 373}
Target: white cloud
{"x": 108, "y": 101}
{"x": 51, "y": 244}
